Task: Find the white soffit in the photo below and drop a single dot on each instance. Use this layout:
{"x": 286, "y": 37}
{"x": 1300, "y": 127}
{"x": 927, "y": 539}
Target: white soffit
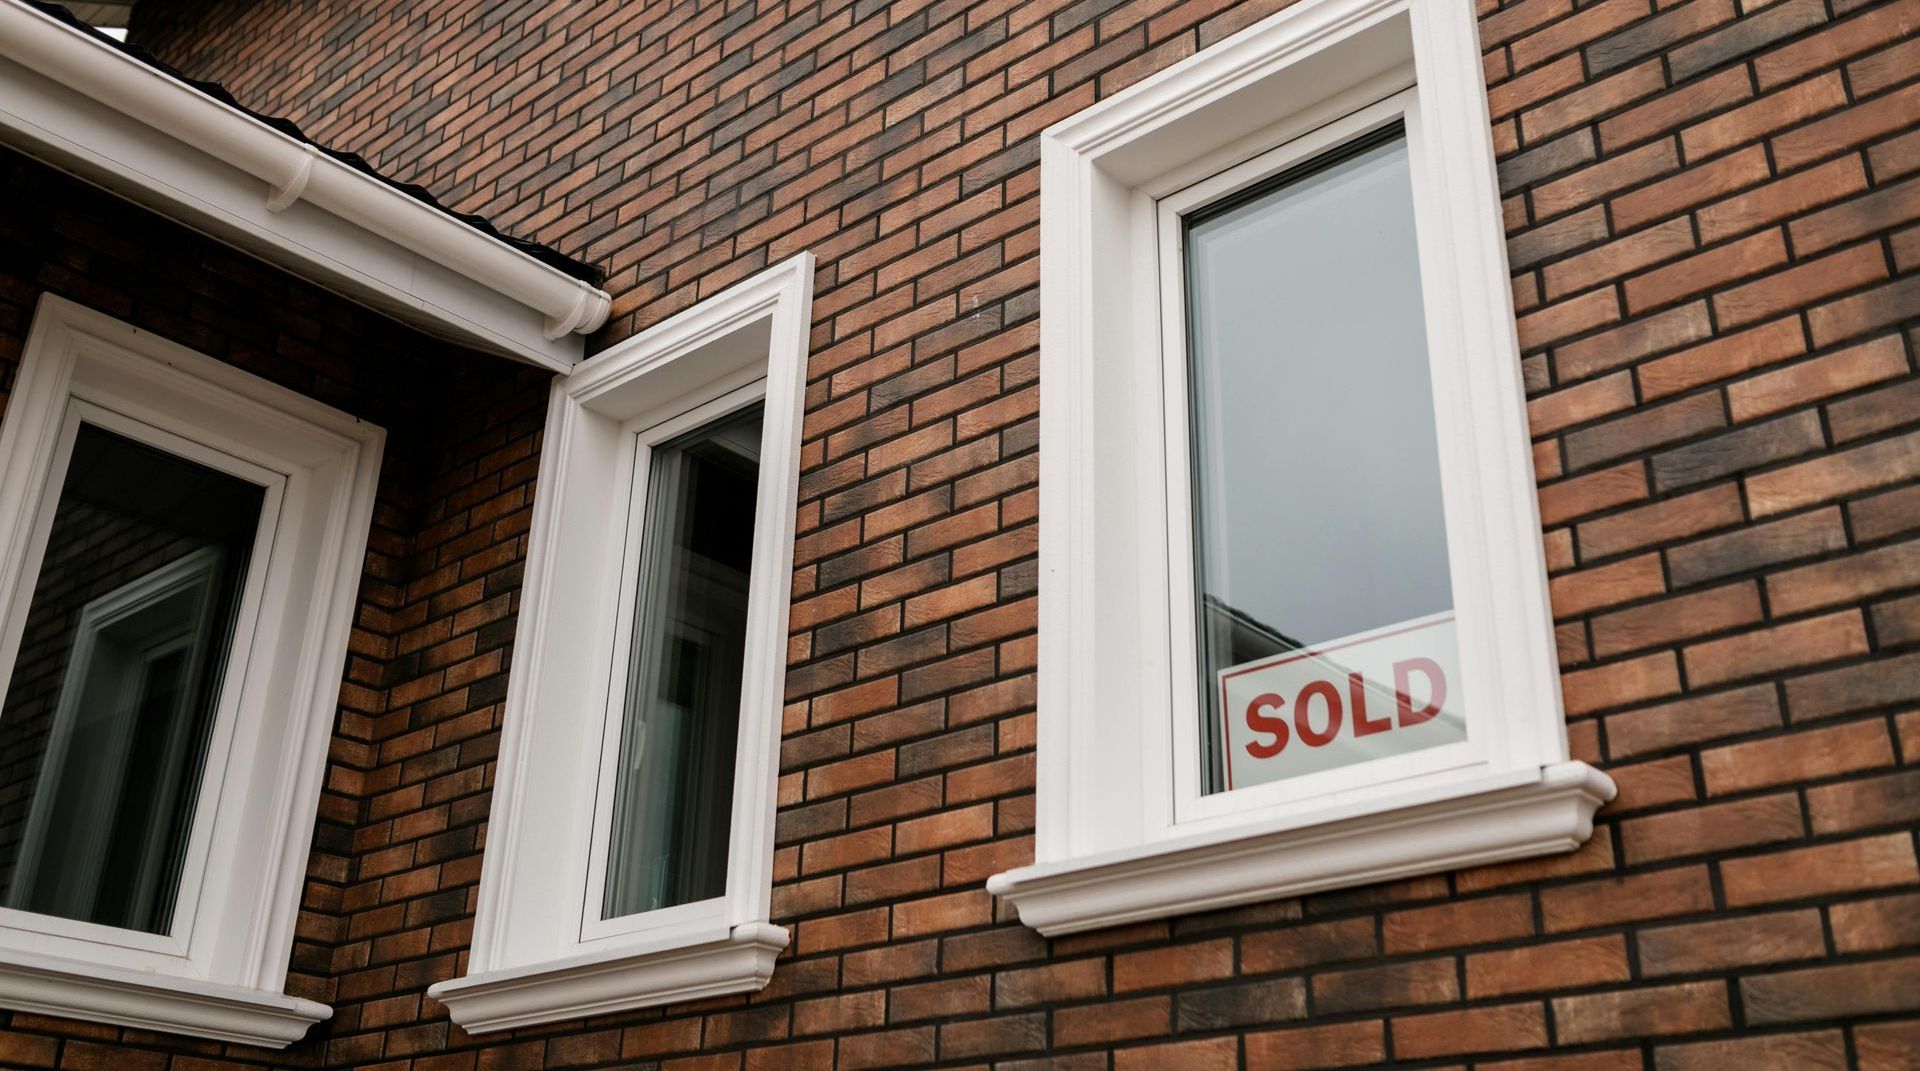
{"x": 84, "y": 106}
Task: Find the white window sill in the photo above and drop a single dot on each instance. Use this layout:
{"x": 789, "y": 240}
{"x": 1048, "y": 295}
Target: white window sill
{"x": 1474, "y": 823}
{"x": 579, "y": 986}
{"x": 73, "y": 989}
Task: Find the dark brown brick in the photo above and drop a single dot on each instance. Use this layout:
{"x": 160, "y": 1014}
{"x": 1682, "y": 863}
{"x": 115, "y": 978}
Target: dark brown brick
{"x": 1827, "y": 992}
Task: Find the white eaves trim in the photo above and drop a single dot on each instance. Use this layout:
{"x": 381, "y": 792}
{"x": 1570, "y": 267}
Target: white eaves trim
{"x": 84, "y": 106}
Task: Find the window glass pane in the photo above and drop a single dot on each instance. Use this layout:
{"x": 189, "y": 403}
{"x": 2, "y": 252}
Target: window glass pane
{"x": 673, "y": 797}
{"x": 1325, "y": 624}
{"x": 104, "y": 729}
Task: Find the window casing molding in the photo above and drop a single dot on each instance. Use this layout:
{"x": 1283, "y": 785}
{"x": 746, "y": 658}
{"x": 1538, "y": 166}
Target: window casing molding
{"x": 220, "y": 968}
{"x": 1123, "y": 831}
{"x": 541, "y": 953}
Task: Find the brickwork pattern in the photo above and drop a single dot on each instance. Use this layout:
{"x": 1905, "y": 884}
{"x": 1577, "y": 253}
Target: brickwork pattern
{"x": 1712, "y": 209}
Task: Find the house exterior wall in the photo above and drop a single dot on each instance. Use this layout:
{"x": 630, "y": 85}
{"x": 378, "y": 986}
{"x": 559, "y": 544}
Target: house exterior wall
{"x": 450, "y": 510}
{"x": 1711, "y": 213}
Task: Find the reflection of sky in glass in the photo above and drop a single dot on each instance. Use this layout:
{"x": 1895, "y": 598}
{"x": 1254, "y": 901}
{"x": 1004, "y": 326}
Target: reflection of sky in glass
{"x": 1316, "y": 474}
{"x": 1317, "y": 479}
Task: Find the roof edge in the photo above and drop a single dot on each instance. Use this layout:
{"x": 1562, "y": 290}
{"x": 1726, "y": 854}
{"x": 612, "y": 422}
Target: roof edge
{"x": 290, "y": 172}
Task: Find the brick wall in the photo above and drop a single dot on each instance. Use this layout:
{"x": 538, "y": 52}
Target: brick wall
{"x": 1712, "y": 213}
{"x": 441, "y": 560}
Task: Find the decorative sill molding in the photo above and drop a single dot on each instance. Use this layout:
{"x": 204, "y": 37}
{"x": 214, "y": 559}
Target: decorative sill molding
{"x": 580, "y": 986}
{"x": 53, "y": 985}
{"x": 1488, "y": 824}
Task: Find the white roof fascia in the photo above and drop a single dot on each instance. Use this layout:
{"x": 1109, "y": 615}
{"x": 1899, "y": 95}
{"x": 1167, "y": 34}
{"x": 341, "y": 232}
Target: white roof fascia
{"x": 88, "y": 108}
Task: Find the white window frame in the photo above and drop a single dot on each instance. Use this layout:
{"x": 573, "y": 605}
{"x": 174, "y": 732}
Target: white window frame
{"x": 540, "y": 952}
{"x": 1123, "y": 831}
{"x": 220, "y": 970}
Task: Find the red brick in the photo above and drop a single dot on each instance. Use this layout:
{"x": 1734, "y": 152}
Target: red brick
{"x": 1716, "y": 828}
{"x": 1309, "y": 1048}
{"x": 1814, "y": 380}
{"x": 1429, "y": 981}
{"x": 1468, "y": 922}
{"x": 1632, "y": 341}
{"x": 1709, "y": 270}
{"x": 1649, "y": 1011}
{"x": 1783, "y": 199}
{"x": 1669, "y": 620}
{"x": 1801, "y": 643}
{"x": 1834, "y": 475}
{"x": 1875, "y": 862}
{"x": 1877, "y": 211}
{"x": 1214, "y": 1053}
{"x": 1845, "y": 579}
{"x": 1787, "y": 290}
{"x": 1891, "y": 800}
{"x": 1765, "y": 115}
{"x": 1887, "y": 1046}
{"x": 1876, "y": 925}
{"x": 1580, "y": 403}
{"x": 1557, "y": 965}
{"x": 1579, "y": 593}
{"x": 1827, "y": 992}
{"x": 1860, "y": 123}
{"x": 1499, "y": 1028}
{"x": 1695, "y": 186}
{"x": 1812, "y": 1052}
{"x": 1619, "y": 683}
{"x": 1102, "y": 1024}
{"x": 1172, "y": 966}
{"x": 681, "y": 147}
{"x": 1722, "y": 358}
{"x": 1808, "y": 755}
{"x": 1610, "y": 901}
{"x": 1675, "y": 107}
{"x": 1747, "y": 941}
{"x": 1305, "y": 946}
{"x": 1053, "y": 983}
{"x": 1859, "y": 314}
{"x": 1593, "y": 492}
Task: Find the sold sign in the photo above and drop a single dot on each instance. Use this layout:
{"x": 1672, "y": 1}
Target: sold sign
{"x": 1376, "y": 694}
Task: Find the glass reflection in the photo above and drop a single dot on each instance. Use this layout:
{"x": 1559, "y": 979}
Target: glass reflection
{"x": 1319, "y": 544}
{"x": 673, "y": 796}
{"x": 104, "y": 730}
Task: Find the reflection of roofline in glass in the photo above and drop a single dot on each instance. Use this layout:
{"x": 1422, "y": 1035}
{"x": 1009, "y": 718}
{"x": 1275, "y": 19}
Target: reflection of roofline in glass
{"x": 1242, "y": 619}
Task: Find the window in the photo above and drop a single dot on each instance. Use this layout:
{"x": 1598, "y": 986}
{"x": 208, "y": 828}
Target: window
{"x": 117, "y": 700}
{"x": 672, "y": 786}
{"x": 1295, "y": 634}
{"x": 644, "y": 707}
{"x": 1318, "y": 531}
{"x": 179, "y": 554}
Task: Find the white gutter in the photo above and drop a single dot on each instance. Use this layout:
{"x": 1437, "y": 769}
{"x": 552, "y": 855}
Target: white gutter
{"x": 290, "y": 172}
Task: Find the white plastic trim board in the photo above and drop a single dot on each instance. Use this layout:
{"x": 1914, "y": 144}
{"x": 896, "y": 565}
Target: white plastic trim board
{"x": 85, "y": 106}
